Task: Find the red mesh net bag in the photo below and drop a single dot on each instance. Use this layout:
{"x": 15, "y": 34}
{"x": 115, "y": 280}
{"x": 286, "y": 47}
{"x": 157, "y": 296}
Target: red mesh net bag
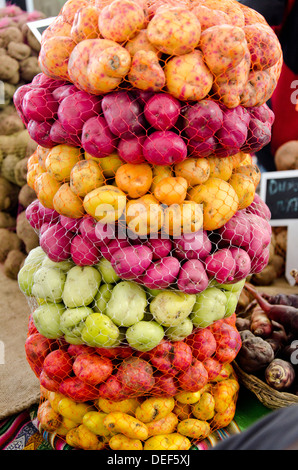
{"x": 146, "y": 115}
{"x": 168, "y": 398}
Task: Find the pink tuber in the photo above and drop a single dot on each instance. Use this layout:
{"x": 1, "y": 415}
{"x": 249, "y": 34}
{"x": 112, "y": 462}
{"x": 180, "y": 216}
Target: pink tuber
{"x": 260, "y": 323}
{"x": 286, "y": 315}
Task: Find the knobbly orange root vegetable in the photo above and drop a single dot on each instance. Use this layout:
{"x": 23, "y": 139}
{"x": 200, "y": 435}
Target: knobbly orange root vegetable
{"x": 171, "y": 190}
{"x": 145, "y": 72}
{"x": 194, "y": 428}
{"x": 221, "y": 420}
{"x": 208, "y": 17}
{"x": 183, "y": 218}
{"x": 49, "y": 419}
{"x": 46, "y": 187}
{"x": 230, "y": 84}
{"x": 34, "y": 171}
{"x": 54, "y": 56}
{"x": 264, "y": 47}
{"x": 220, "y": 167}
{"x": 252, "y": 171}
{"x": 194, "y": 170}
{"x": 121, "y": 20}
{"x": 98, "y": 65}
{"x": 245, "y": 189}
{"x": 232, "y": 9}
{"x": 134, "y": 180}
{"x": 85, "y": 24}
{"x": 219, "y": 199}
{"x": 67, "y": 203}
{"x": 223, "y": 46}
{"x": 258, "y": 88}
{"x": 144, "y": 215}
{"x": 121, "y": 442}
{"x": 187, "y": 77}
{"x": 85, "y": 176}
{"x": 60, "y": 160}
{"x": 174, "y": 31}
{"x": 70, "y": 8}
{"x": 141, "y": 43}
{"x": 57, "y": 28}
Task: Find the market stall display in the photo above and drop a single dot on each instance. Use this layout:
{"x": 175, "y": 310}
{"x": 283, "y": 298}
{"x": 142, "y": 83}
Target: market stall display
{"x": 19, "y": 48}
{"x": 145, "y": 116}
{"x": 267, "y": 360}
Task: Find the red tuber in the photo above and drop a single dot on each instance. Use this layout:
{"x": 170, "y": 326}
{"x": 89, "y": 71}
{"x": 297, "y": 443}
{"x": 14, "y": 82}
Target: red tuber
{"x": 286, "y": 315}
{"x": 260, "y": 323}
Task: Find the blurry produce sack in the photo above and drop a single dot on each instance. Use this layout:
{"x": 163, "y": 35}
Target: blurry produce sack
{"x": 19, "y": 64}
{"x": 145, "y": 117}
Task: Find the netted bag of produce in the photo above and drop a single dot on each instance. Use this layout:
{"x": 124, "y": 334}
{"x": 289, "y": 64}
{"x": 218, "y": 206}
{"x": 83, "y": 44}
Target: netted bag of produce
{"x": 145, "y": 161}
{"x": 103, "y": 294}
{"x": 147, "y": 212}
{"x": 170, "y": 164}
{"x": 187, "y": 247}
{"x": 198, "y": 68}
{"x": 170, "y": 398}
{"x": 192, "y": 49}
{"x": 19, "y": 50}
{"x": 139, "y": 164}
{"x": 152, "y": 127}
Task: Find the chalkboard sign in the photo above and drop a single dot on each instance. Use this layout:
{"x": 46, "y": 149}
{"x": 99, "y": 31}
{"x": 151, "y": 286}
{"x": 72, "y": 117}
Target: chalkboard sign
{"x": 282, "y": 197}
{"x": 279, "y": 189}
{"x": 39, "y": 26}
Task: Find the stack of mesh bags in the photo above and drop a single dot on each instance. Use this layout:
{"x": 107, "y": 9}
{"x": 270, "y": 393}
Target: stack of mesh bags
{"x": 146, "y": 116}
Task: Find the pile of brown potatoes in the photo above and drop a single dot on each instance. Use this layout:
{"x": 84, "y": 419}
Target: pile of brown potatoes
{"x": 19, "y": 51}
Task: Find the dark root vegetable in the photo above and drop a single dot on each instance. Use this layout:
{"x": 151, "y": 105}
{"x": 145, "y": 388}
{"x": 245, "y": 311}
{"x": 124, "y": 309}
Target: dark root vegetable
{"x": 242, "y": 324}
{"x": 278, "y": 338}
{"x": 260, "y": 325}
{"x": 244, "y": 334}
{"x": 279, "y": 333}
{"x": 274, "y": 345}
{"x": 255, "y": 353}
{"x": 290, "y": 352}
{"x": 280, "y": 374}
{"x": 286, "y": 315}
{"x": 282, "y": 299}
